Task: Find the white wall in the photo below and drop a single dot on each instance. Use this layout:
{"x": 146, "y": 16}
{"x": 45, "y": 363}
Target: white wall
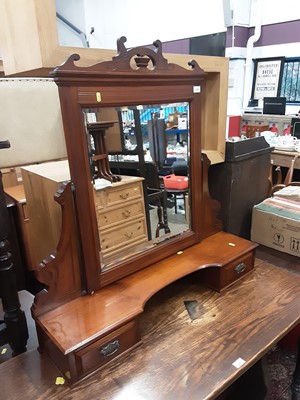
{"x": 275, "y": 11}
{"x": 73, "y": 11}
{"x": 142, "y": 21}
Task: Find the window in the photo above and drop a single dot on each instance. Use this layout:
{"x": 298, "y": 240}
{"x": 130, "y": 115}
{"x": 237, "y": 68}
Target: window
{"x": 290, "y": 85}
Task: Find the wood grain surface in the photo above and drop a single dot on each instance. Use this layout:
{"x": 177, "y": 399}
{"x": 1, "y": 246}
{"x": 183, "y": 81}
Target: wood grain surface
{"x": 179, "y": 358}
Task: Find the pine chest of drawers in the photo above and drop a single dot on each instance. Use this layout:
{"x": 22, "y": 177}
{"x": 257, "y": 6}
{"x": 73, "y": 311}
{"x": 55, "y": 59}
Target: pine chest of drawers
{"x": 121, "y": 215}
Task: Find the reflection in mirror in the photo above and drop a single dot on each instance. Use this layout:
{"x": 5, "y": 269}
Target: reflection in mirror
{"x": 139, "y": 163}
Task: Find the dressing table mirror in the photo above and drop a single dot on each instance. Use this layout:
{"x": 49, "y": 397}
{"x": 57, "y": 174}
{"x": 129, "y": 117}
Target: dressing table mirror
{"x": 138, "y": 82}
{"x": 110, "y": 261}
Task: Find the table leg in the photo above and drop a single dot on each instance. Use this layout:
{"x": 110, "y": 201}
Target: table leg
{"x": 175, "y": 201}
{"x": 296, "y": 377}
{"x": 14, "y": 327}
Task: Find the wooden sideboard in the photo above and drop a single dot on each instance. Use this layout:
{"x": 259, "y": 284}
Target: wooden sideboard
{"x": 40, "y": 182}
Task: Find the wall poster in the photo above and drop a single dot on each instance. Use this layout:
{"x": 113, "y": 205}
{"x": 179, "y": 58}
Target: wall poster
{"x": 267, "y": 77}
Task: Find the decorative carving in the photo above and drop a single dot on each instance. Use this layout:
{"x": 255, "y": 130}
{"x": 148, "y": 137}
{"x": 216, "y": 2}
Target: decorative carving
{"x": 123, "y": 63}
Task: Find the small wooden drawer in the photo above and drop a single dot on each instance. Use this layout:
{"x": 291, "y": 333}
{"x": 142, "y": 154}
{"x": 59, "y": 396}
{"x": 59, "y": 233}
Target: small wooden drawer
{"x": 119, "y": 195}
{"x": 219, "y": 278}
{"x": 127, "y": 234}
{"x": 111, "y": 217}
{"x": 107, "y": 348}
{"x": 113, "y": 196}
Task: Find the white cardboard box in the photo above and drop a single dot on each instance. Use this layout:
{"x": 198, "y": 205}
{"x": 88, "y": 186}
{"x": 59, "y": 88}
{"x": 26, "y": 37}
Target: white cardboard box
{"x": 289, "y": 192}
{"x": 276, "y": 224}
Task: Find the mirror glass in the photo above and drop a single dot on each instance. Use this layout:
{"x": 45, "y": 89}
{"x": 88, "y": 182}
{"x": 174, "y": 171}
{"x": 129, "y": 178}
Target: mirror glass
{"x": 139, "y": 165}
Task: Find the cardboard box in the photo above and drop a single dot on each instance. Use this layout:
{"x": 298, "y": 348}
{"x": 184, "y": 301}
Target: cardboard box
{"x": 276, "y": 224}
{"x": 289, "y": 193}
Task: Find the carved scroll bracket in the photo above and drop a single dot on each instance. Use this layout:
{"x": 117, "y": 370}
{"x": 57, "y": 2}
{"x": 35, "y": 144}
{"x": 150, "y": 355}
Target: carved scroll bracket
{"x": 60, "y": 272}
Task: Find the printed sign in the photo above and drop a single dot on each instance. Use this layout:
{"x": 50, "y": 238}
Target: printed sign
{"x": 267, "y": 78}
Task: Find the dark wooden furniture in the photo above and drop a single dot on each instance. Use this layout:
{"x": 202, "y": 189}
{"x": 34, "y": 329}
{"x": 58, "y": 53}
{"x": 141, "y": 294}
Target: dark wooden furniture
{"x": 89, "y": 313}
{"x": 16, "y": 243}
{"x": 241, "y": 182}
{"x": 98, "y": 132}
{"x": 13, "y": 328}
{"x": 181, "y": 358}
{"x": 20, "y": 221}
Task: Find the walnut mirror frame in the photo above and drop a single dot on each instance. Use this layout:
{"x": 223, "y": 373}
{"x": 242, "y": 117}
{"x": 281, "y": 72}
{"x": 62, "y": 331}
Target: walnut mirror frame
{"x": 134, "y": 77}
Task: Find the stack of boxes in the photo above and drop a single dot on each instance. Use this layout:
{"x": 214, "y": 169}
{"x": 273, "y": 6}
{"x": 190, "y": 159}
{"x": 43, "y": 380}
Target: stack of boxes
{"x": 276, "y": 221}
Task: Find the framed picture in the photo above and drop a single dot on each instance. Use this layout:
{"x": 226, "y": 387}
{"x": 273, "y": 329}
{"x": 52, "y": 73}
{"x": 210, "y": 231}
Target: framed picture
{"x": 267, "y": 77}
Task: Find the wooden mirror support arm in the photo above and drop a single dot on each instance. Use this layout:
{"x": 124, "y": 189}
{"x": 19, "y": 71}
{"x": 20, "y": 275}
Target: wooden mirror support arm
{"x": 60, "y": 272}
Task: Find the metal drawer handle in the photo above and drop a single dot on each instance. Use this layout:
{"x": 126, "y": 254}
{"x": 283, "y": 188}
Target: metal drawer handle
{"x": 126, "y": 213}
{"x": 124, "y": 195}
{"x": 240, "y": 268}
{"x": 110, "y": 348}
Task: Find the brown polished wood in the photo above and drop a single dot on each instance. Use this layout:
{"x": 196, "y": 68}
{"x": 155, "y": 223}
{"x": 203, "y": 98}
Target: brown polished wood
{"x": 91, "y": 323}
{"x": 117, "y": 83}
{"x": 180, "y": 358}
{"x": 123, "y": 300}
{"x": 82, "y": 333}
{"x": 98, "y": 132}
{"x": 60, "y": 272}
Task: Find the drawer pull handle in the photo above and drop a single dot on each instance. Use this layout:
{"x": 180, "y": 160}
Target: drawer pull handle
{"x": 129, "y": 235}
{"x": 240, "y": 268}
{"x": 110, "y": 348}
{"x": 126, "y": 213}
{"x": 124, "y": 195}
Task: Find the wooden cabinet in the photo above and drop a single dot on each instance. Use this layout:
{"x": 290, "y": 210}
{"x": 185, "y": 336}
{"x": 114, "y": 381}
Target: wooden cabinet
{"x": 121, "y": 215}
{"x": 41, "y": 181}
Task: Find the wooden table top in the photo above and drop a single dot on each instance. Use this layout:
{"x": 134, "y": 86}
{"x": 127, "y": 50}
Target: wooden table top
{"x": 284, "y": 158}
{"x": 17, "y": 193}
{"x": 179, "y": 358}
